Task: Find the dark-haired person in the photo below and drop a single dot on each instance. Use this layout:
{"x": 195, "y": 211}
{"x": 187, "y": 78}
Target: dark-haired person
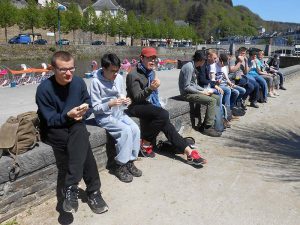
{"x": 63, "y": 105}
{"x": 192, "y": 92}
{"x": 274, "y": 63}
{"x": 219, "y": 75}
{"x": 142, "y": 87}
{"x": 239, "y": 66}
{"x": 107, "y": 92}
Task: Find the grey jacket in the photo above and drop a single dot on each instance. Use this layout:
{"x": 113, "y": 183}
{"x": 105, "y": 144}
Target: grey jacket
{"x": 187, "y": 80}
{"x": 103, "y": 90}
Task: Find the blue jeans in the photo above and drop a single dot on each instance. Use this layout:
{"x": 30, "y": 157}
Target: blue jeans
{"x": 226, "y": 95}
{"x": 262, "y": 83}
{"x": 236, "y": 95}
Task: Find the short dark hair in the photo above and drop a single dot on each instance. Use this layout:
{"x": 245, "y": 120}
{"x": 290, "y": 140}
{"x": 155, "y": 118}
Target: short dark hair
{"x": 224, "y": 58}
{"x": 252, "y": 53}
{"x": 110, "y": 59}
{"x": 61, "y": 55}
{"x": 242, "y": 49}
{"x": 199, "y": 56}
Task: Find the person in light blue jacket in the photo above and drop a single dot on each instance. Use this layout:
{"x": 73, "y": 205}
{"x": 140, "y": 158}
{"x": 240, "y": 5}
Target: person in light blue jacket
{"x": 108, "y": 101}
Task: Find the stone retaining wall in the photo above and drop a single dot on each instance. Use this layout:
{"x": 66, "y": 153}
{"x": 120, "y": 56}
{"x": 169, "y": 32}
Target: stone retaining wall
{"x": 31, "y": 52}
{"x": 36, "y": 181}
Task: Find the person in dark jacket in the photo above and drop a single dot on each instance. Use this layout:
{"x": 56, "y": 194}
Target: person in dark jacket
{"x": 274, "y": 63}
{"x": 142, "y": 88}
{"x": 192, "y": 92}
{"x": 63, "y": 105}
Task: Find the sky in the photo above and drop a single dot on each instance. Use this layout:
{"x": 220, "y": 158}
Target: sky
{"x": 276, "y": 10}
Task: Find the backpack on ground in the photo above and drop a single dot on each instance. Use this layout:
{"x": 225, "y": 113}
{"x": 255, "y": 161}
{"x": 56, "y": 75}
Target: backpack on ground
{"x": 219, "y": 118}
{"x": 169, "y": 147}
{"x": 18, "y": 135}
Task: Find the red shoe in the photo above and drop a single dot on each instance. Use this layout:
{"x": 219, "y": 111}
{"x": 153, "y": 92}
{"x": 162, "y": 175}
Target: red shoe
{"x": 195, "y": 159}
{"x": 147, "y": 150}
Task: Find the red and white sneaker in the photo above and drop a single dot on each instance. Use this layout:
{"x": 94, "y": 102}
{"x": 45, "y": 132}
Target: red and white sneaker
{"x": 147, "y": 150}
{"x": 195, "y": 159}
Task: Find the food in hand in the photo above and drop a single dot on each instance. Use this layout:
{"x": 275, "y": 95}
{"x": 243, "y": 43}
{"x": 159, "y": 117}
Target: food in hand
{"x": 83, "y": 106}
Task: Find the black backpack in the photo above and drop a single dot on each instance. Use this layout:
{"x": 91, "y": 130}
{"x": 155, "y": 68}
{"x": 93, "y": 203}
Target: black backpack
{"x": 169, "y": 147}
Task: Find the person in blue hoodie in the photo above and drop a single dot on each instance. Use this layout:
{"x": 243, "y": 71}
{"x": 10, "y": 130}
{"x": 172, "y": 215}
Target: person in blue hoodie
{"x": 107, "y": 92}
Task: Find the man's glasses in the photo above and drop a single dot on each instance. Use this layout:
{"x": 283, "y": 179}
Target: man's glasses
{"x": 65, "y": 70}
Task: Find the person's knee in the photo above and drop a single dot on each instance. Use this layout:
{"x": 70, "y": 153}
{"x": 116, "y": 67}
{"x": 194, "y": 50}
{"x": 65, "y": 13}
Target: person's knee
{"x": 235, "y": 92}
{"x": 125, "y": 132}
{"x": 135, "y": 129}
{"x": 213, "y": 101}
{"x": 164, "y": 115}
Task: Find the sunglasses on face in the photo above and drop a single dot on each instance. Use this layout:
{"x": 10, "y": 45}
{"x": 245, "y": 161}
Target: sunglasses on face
{"x": 151, "y": 58}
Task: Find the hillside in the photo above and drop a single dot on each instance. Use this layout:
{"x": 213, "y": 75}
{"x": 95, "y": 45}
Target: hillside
{"x": 210, "y": 17}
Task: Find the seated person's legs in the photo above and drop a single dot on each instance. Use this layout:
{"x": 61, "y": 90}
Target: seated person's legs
{"x": 211, "y": 102}
{"x": 226, "y": 95}
{"x": 263, "y": 84}
{"x": 180, "y": 143}
{"x": 127, "y": 136}
{"x": 153, "y": 119}
{"x": 234, "y": 96}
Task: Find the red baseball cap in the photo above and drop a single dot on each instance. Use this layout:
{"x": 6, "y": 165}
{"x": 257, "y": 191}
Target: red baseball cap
{"x": 148, "y": 52}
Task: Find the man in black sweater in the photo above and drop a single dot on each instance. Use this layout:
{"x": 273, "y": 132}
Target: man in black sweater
{"x": 63, "y": 105}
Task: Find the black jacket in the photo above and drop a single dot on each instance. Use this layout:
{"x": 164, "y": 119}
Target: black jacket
{"x": 137, "y": 87}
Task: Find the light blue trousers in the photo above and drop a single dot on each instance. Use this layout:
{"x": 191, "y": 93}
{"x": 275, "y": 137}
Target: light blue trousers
{"x": 127, "y": 135}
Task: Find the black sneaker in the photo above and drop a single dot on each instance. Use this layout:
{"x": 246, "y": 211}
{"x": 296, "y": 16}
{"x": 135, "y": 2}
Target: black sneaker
{"x": 282, "y": 88}
{"x": 243, "y": 104}
{"x": 238, "y": 111}
{"x": 211, "y": 132}
{"x": 254, "y": 105}
{"x": 195, "y": 159}
{"x": 133, "y": 170}
{"x": 70, "y": 203}
{"x": 96, "y": 202}
{"x": 123, "y": 174}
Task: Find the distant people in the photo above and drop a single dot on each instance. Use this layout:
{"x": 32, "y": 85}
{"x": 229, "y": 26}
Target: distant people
{"x": 239, "y": 67}
{"x": 254, "y": 75}
{"x": 219, "y": 74}
{"x": 191, "y": 92}
{"x": 270, "y": 78}
{"x": 274, "y": 63}
{"x": 63, "y": 105}
{"x": 108, "y": 98}
{"x": 142, "y": 88}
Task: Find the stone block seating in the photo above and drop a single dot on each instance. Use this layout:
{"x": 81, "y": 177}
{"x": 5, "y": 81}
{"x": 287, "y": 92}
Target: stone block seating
{"x": 36, "y": 181}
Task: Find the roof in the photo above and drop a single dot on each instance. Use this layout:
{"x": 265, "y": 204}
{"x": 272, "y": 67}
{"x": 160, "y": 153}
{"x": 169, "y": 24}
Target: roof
{"x": 106, "y": 4}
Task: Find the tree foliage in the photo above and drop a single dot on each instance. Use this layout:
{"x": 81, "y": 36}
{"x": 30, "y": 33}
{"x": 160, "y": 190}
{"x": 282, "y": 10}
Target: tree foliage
{"x": 30, "y": 16}
{"x": 8, "y": 15}
{"x": 72, "y": 19}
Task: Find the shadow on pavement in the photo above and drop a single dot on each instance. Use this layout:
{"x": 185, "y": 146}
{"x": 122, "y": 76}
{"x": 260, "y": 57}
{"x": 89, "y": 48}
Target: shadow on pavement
{"x": 275, "y": 148}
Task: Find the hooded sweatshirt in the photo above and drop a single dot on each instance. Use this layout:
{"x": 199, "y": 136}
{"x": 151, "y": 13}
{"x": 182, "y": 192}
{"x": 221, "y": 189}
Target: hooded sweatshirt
{"x": 102, "y": 91}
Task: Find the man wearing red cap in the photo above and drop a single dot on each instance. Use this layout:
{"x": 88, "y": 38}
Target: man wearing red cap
{"x": 142, "y": 87}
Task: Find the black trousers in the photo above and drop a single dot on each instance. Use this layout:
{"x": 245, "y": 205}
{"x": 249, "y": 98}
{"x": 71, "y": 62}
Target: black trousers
{"x": 281, "y": 78}
{"x": 74, "y": 155}
{"x": 154, "y": 119}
